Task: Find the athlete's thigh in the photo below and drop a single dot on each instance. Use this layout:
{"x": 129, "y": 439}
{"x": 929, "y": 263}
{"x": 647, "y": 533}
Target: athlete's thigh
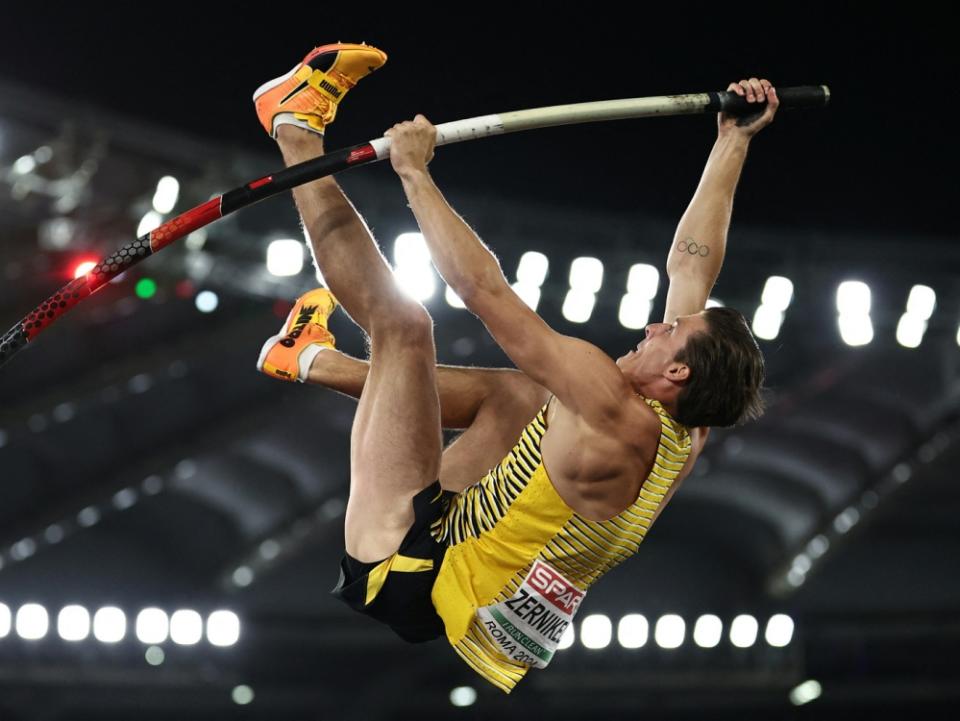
{"x": 501, "y": 417}
{"x": 395, "y": 443}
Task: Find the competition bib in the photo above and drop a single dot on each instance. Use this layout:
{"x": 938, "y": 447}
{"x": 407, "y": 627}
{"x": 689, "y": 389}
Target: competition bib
{"x": 528, "y": 626}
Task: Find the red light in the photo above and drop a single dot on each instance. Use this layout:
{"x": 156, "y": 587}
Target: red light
{"x": 184, "y": 289}
{"x": 282, "y": 308}
{"x": 81, "y": 269}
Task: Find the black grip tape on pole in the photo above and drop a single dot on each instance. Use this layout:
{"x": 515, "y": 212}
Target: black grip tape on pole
{"x": 801, "y": 96}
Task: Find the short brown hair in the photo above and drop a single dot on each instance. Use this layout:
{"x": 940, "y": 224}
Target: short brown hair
{"x": 726, "y": 373}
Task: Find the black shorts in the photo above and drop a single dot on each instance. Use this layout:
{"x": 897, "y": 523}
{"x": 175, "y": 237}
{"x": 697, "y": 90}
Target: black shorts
{"x": 396, "y": 591}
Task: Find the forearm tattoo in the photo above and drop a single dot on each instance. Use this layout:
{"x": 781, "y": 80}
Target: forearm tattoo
{"x": 689, "y": 245}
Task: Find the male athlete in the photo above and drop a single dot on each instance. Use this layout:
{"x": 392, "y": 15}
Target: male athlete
{"x": 564, "y": 463}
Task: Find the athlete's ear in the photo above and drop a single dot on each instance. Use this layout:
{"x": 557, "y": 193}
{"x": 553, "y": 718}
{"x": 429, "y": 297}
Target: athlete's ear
{"x": 677, "y": 372}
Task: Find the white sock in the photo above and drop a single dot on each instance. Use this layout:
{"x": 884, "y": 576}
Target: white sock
{"x": 306, "y": 360}
{"x": 289, "y": 119}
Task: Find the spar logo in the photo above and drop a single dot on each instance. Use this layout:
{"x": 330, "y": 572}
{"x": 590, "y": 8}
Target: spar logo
{"x": 306, "y": 313}
{"x": 555, "y": 588}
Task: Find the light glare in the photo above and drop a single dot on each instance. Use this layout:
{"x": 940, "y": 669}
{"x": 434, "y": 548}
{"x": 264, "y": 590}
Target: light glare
{"x": 529, "y": 294}
{"x": 532, "y": 269}
{"x": 855, "y": 330}
{"x": 596, "y": 631}
{"x": 168, "y": 191}
{"x": 463, "y": 696}
{"x": 910, "y": 330}
{"x": 73, "y": 623}
{"x": 643, "y": 280}
{"x": 186, "y": 627}
{"x": 766, "y": 322}
{"x": 453, "y": 299}
{"x": 586, "y": 274}
{"x": 805, "y": 693}
{"x": 6, "y": 619}
{"x": 417, "y": 281}
{"x": 779, "y": 631}
{"x": 32, "y": 622}
{"x": 578, "y": 305}
{"x": 669, "y": 631}
{"x": 149, "y": 223}
{"x": 223, "y": 628}
{"x": 83, "y": 268}
{"x": 633, "y": 631}
{"x": 207, "y": 301}
{"x": 743, "y": 631}
{"x": 707, "y": 631}
{"x": 922, "y": 301}
{"x": 634, "y": 311}
{"x": 152, "y": 626}
{"x": 410, "y": 249}
{"x": 777, "y": 292}
{"x": 109, "y": 625}
{"x": 853, "y": 298}
{"x": 285, "y": 257}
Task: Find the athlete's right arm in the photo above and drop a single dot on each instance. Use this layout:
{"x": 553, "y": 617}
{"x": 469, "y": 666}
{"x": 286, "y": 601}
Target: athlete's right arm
{"x": 699, "y": 244}
{"x": 582, "y": 376}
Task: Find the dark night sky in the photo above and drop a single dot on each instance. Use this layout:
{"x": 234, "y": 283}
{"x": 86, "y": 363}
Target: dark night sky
{"x": 857, "y": 165}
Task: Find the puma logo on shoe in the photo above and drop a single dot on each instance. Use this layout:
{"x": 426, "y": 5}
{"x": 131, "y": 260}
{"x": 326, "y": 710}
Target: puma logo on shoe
{"x": 331, "y": 88}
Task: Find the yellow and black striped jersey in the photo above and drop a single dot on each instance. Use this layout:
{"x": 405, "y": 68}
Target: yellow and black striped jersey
{"x": 496, "y": 529}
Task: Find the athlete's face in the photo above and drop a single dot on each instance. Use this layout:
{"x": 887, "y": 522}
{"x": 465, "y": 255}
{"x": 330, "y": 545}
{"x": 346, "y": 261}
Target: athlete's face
{"x": 660, "y": 345}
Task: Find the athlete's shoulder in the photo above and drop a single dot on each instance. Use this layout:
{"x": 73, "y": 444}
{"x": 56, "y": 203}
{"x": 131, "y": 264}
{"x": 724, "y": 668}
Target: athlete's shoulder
{"x": 699, "y": 436}
{"x": 641, "y": 422}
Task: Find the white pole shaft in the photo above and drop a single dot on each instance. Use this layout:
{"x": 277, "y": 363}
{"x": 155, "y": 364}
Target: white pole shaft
{"x": 576, "y": 113}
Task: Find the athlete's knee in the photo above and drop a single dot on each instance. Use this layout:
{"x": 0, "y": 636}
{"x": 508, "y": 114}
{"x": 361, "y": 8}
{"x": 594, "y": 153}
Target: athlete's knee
{"x": 406, "y": 318}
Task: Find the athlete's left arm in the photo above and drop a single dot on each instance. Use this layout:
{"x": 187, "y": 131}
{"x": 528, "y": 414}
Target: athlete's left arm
{"x": 699, "y": 244}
